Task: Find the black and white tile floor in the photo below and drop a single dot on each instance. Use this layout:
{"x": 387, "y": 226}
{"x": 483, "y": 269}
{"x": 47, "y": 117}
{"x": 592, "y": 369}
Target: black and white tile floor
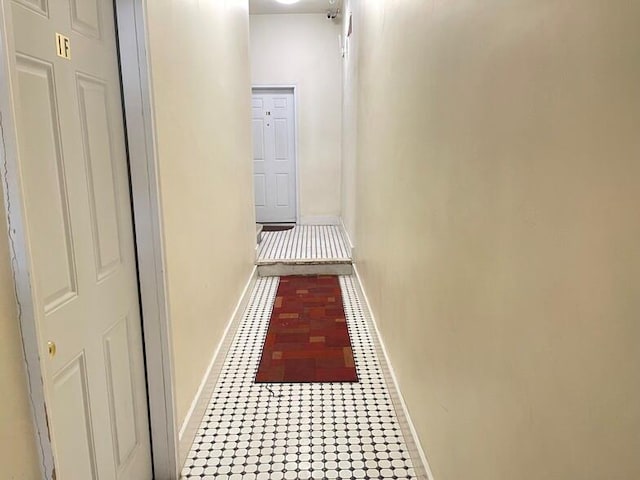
{"x": 304, "y": 242}
{"x": 300, "y": 431}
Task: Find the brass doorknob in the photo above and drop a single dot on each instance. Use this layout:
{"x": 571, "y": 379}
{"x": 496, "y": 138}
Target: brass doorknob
{"x": 52, "y": 348}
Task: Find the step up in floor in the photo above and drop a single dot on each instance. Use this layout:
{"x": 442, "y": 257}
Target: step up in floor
{"x": 302, "y": 267}
{"x": 304, "y": 242}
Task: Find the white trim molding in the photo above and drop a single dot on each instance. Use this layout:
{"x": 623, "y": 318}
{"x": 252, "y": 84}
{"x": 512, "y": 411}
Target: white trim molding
{"x": 403, "y": 405}
{"x": 346, "y": 235}
{"x": 201, "y": 400}
{"x": 137, "y": 93}
{"x": 19, "y": 244}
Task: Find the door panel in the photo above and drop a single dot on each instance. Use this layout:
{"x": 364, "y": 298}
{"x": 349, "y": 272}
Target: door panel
{"x": 282, "y": 189}
{"x": 274, "y": 155}
{"x": 121, "y": 393}
{"x": 42, "y": 164}
{"x": 282, "y": 142}
{"x": 258, "y": 140}
{"x": 260, "y": 189}
{"x": 94, "y": 121}
{"x": 38, "y": 6}
{"x": 85, "y": 17}
{"x": 75, "y": 443}
{"x": 73, "y": 168}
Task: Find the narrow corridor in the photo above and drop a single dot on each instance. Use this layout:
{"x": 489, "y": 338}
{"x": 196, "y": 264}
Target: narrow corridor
{"x": 450, "y": 195}
{"x": 303, "y": 430}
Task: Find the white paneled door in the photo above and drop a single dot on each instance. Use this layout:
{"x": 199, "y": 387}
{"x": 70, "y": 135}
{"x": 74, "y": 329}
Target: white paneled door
{"x": 274, "y": 175}
{"x": 73, "y": 167}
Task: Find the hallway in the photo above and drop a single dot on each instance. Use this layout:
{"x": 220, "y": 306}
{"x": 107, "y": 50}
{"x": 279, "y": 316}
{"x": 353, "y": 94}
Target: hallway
{"x": 274, "y": 431}
{"x": 304, "y": 430}
{"x": 466, "y": 173}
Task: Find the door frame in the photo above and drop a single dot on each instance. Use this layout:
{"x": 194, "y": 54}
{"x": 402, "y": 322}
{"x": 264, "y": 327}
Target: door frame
{"x": 296, "y": 163}
{"x": 138, "y": 109}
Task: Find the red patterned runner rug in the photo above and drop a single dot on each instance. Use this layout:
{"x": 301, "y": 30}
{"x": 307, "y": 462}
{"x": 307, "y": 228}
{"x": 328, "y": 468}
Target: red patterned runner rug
{"x": 307, "y": 339}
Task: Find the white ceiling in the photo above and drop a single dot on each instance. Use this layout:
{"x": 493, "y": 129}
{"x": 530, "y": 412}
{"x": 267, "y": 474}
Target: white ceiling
{"x": 258, "y": 7}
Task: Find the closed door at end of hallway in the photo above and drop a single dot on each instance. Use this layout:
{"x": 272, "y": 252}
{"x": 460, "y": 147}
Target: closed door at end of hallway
{"x": 274, "y": 175}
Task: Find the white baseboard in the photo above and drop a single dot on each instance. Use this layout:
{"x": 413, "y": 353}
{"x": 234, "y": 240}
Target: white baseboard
{"x": 405, "y": 410}
{"x": 203, "y": 395}
{"x": 346, "y": 235}
{"x": 319, "y": 220}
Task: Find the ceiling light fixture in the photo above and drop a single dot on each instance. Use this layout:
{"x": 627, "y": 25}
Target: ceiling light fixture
{"x": 288, "y": 2}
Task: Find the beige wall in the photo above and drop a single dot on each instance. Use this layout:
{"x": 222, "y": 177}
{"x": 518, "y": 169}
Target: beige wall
{"x": 303, "y": 50}
{"x": 200, "y": 66}
{"x": 18, "y": 454}
{"x": 498, "y": 229}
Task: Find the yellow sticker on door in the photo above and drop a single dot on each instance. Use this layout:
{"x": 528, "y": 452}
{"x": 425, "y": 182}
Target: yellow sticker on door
{"x": 63, "y": 46}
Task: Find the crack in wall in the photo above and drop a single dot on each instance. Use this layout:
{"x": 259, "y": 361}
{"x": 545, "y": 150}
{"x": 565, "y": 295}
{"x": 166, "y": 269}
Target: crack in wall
{"x": 14, "y": 269}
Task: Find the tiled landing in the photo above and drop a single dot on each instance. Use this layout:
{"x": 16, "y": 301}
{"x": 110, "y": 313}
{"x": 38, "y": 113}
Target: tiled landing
{"x": 301, "y": 431}
{"x": 305, "y": 249}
